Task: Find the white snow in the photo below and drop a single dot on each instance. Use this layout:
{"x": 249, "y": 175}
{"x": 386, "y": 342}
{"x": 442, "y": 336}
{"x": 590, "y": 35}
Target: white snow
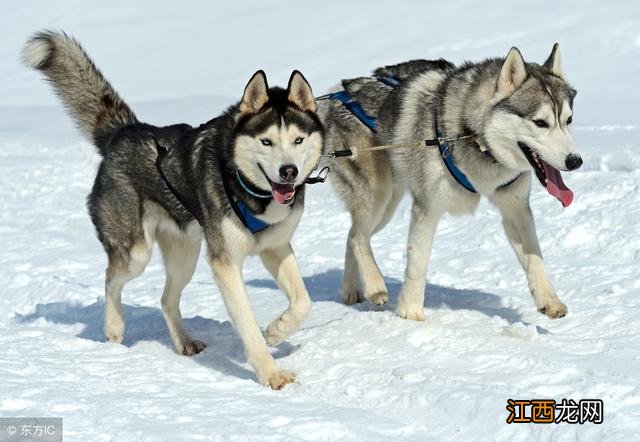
{"x": 364, "y": 374}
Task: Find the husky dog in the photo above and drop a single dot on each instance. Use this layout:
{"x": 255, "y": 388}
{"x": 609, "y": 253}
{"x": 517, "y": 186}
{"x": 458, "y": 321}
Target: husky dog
{"x": 237, "y": 181}
{"x": 498, "y": 119}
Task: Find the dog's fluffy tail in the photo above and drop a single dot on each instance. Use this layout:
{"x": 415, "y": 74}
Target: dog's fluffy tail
{"x": 94, "y": 105}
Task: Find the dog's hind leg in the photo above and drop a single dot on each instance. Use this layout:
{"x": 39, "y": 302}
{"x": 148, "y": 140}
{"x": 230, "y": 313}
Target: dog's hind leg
{"x": 390, "y": 208}
{"x": 360, "y": 253}
{"x": 351, "y": 293}
{"x": 520, "y": 228}
{"x": 421, "y": 232}
{"x": 281, "y": 263}
{"x": 362, "y": 276}
{"x": 122, "y": 268}
{"x": 180, "y": 252}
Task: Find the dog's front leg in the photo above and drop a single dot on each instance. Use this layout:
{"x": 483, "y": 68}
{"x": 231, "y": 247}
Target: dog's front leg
{"x": 228, "y": 275}
{"x": 421, "y": 231}
{"x": 520, "y": 228}
{"x": 281, "y": 263}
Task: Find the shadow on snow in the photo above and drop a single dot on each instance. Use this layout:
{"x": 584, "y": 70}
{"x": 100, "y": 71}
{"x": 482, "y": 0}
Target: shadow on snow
{"x": 224, "y": 352}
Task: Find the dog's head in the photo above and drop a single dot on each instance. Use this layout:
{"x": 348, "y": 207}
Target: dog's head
{"x": 530, "y": 120}
{"x": 278, "y": 139}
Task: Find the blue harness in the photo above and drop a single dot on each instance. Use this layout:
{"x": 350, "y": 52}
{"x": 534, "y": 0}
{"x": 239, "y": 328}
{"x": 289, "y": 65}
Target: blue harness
{"x": 248, "y": 219}
{"x": 352, "y": 106}
{"x": 356, "y": 109}
{"x": 455, "y": 172}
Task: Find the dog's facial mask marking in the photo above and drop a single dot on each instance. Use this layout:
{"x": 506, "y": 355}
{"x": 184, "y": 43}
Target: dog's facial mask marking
{"x": 535, "y": 104}
{"x": 279, "y": 143}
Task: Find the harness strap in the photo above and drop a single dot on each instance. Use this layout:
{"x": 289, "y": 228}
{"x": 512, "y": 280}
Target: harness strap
{"x": 389, "y": 81}
{"x": 194, "y": 209}
{"x": 352, "y": 106}
{"x": 455, "y": 172}
{"x": 510, "y": 182}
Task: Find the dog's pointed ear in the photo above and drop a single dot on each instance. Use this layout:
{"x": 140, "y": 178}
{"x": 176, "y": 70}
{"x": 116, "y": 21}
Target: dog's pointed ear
{"x": 553, "y": 62}
{"x": 512, "y": 74}
{"x": 299, "y": 92}
{"x": 256, "y": 94}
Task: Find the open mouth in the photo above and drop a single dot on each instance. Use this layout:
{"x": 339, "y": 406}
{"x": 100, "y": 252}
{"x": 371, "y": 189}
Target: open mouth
{"x": 548, "y": 175}
{"x": 283, "y": 193}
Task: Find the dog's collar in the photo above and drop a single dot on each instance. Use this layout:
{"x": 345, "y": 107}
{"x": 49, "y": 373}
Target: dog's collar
{"x": 248, "y": 219}
{"x": 248, "y": 189}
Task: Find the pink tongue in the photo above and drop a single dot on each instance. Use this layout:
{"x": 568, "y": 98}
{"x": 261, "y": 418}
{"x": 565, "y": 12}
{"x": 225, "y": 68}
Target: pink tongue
{"x": 282, "y": 193}
{"x": 555, "y": 185}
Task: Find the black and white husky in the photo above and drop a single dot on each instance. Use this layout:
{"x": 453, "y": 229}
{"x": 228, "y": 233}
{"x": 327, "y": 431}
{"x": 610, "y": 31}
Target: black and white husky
{"x": 237, "y": 181}
{"x": 498, "y": 120}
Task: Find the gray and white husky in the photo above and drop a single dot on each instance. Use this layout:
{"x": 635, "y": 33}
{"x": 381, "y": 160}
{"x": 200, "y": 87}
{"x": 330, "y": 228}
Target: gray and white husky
{"x": 513, "y": 117}
{"x": 237, "y": 181}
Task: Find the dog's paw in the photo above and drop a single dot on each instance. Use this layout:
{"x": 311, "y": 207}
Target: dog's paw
{"x": 378, "y": 298}
{"x": 114, "y": 332}
{"x": 277, "y": 379}
{"x": 116, "y": 339}
{"x": 351, "y": 297}
{"x": 409, "y": 312}
{"x": 273, "y": 336}
{"x": 191, "y": 348}
{"x": 554, "y": 309}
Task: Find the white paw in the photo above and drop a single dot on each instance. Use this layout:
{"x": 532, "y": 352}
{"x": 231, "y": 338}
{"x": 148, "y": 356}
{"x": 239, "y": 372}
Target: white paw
{"x": 378, "y": 298}
{"x": 116, "y": 339}
{"x": 351, "y": 297}
{"x": 114, "y": 333}
{"x": 414, "y": 313}
{"x": 190, "y": 348}
{"x": 279, "y": 330}
{"x": 276, "y": 379}
{"x": 554, "y": 309}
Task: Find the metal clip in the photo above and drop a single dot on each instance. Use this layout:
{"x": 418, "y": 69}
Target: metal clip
{"x": 320, "y": 177}
{"x": 448, "y": 149}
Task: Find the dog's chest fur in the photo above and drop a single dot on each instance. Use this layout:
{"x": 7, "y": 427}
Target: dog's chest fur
{"x": 241, "y": 242}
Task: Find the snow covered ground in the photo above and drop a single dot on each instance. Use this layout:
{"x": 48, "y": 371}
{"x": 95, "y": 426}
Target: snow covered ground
{"x": 364, "y": 374}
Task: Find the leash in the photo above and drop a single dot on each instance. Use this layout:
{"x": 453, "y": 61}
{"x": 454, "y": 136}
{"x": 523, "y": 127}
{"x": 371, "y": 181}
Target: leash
{"x": 427, "y": 143}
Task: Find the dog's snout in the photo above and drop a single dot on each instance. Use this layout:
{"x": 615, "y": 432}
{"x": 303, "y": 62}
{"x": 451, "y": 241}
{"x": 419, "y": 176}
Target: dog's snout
{"x": 288, "y": 172}
{"x": 573, "y": 162}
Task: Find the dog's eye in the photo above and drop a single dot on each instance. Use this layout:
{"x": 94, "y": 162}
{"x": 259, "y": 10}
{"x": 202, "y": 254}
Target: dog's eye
{"x": 299, "y": 140}
{"x": 540, "y": 123}
{"x": 570, "y": 120}
{"x": 266, "y": 141}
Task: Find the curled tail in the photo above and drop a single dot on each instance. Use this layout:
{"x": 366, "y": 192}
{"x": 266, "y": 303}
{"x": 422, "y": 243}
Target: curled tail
{"x": 95, "y": 106}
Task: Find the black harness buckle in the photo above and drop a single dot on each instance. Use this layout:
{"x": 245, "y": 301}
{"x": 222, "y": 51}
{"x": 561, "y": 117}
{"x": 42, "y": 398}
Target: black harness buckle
{"x": 321, "y": 177}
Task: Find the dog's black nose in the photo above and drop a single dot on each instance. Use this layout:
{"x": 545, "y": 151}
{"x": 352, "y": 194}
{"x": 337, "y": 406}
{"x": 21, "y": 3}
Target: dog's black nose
{"x": 573, "y": 162}
{"x": 288, "y": 172}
